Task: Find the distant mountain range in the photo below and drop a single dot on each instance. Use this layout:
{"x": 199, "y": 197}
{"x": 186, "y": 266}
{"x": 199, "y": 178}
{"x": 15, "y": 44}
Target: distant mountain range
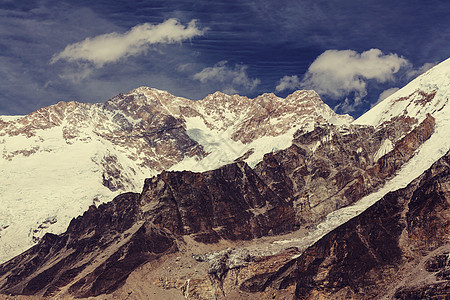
{"x": 264, "y": 198}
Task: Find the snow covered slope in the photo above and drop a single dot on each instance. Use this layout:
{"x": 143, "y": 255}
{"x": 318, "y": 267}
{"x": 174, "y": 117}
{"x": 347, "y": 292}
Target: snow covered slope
{"x": 428, "y": 93}
{"x": 59, "y": 160}
{"x": 229, "y": 127}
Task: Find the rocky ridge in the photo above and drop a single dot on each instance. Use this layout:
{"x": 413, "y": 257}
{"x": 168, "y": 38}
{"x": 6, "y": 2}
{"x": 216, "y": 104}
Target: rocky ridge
{"x": 397, "y": 248}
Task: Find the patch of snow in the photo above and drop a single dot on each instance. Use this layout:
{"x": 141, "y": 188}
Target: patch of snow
{"x": 315, "y": 146}
{"x": 10, "y": 118}
{"x": 223, "y": 150}
{"x": 385, "y": 147}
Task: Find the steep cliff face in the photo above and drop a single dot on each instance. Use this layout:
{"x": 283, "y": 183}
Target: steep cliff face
{"x": 332, "y": 167}
{"x": 396, "y": 248}
{"x": 231, "y": 202}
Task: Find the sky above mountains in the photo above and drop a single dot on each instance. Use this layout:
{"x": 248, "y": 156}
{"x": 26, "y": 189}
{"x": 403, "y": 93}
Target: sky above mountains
{"x": 353, "y": 53}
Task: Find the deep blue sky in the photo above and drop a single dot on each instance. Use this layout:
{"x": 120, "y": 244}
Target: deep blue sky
{"x": 241, "y": 46}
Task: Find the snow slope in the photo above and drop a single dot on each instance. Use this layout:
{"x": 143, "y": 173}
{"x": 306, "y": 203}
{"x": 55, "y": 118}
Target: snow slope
{"x": 44, "y": 188}
{"x": 428, "y": 93}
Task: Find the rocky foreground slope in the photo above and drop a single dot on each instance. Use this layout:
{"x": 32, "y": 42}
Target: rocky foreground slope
{"x": 398, "y": 248}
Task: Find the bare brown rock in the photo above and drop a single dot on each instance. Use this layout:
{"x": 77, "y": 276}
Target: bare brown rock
{"x": 231, "y": 202}
{"x": 380, "y": 252}
{"x": 332, "y": 167}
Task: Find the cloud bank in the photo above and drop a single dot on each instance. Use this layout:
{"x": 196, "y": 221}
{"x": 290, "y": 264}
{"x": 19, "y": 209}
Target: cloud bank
{"x": 111, "y": 47}
{"x": 345, "y": 74}
{"x": 232, "y": 79}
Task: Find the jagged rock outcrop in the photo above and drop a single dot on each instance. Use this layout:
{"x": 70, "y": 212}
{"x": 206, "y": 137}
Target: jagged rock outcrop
{"x": 231, "y": 202}
{"x": 396, "y": 248}
{"x": 96, "y": 254}
{"x": 332, "y": 167}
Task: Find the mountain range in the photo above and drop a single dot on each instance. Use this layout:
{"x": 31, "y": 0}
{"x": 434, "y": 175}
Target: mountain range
{"x": 59, "y": 160}
{"x": 229, "y": 197}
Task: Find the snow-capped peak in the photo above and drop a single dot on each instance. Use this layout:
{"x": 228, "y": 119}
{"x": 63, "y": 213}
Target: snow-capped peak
{"x": 427, "y": 94}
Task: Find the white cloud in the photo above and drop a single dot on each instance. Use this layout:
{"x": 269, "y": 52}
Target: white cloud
{"x": 232, "y": 79}
{"x": 76, "y": 73}
{"x": 421, "y": 70}
{"x": 111, "y": 47}
{"x": 385, "y": 94}
{"x": 338, "y": 73}
{"x": 288, "y": 83}
{"x": 185, "y": 67}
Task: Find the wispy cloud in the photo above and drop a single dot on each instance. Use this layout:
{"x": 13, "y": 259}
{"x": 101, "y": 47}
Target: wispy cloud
{"x": 338, "y": 73}
{"x": 416, "y": 72}
{"x": 348, "y": 105}
{"x": 232, "y": 79}
{"x": 111, "y": 47}
{"x": 288, "y": 83}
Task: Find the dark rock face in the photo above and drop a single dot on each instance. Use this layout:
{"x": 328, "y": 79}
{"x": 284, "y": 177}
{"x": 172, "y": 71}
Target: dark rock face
{"x": 159, "y": 133}
{"x": 375, "y": 253}
{"x": 332, "y": 167}
{"x": 434, "y": 291}
{"x": 231, "y": 202}
{"x": 112, "y": 177}
{"x": 96, "y": 254}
